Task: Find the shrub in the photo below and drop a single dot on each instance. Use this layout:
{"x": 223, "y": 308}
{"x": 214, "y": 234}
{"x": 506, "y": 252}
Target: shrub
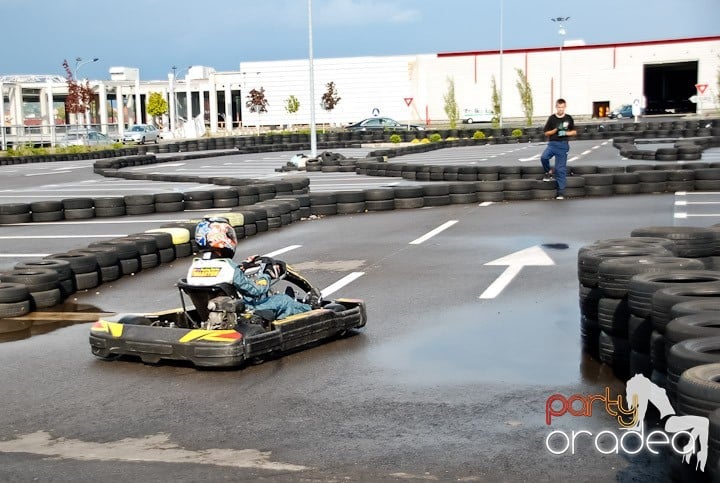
{"x": 415, "y": 141}
{"x": 424, "y": 141}
{"x": 395, "y": 138}
{"x": 516, "y": 133}
{"x": 478, "y": 135}
{"x": 435, "y": 137}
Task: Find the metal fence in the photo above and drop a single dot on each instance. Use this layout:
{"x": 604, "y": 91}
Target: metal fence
{"x": 44, "y": 135}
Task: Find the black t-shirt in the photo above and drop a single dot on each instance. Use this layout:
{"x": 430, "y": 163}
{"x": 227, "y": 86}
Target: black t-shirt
{"x": 563, "y": 124}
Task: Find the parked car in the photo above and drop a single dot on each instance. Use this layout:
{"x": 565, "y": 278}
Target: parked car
{"x": 624, "y": 111}
{"x": 141, "y": 133}
{"x": 383, "y": 124}
{"x": 470, "y": 116}
{"x": 84, "y": 138}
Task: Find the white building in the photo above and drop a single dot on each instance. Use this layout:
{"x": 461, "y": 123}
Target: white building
{"x": 660, "y": 74}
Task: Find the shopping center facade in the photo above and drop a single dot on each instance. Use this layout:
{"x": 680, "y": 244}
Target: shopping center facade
{"x": 664, "y": 76}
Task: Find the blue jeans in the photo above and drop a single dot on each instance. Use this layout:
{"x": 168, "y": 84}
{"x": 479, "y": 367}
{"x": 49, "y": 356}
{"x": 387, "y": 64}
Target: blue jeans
{"x": 282, "y": 306}
{"x": 559, "y": 149}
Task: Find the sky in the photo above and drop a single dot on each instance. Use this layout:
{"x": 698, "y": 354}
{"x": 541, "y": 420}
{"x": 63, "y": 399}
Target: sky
{"x": 154, "y": 35}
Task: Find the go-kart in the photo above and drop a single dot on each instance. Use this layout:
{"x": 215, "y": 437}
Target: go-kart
{"x": 219, "y": 330}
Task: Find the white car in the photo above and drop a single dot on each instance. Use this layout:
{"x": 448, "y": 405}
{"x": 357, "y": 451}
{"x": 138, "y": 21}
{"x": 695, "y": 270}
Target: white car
{"x": 470, "y": 116}
{"x": 84, "y": 138}
{"x": 141, "y": 133}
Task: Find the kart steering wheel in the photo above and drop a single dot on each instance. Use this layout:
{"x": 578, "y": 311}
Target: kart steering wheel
{"x": 266, "y": 264}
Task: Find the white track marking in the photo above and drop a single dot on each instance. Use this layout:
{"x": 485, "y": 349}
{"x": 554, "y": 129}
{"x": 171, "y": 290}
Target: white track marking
{"x": 434, "y": 232}
{"x": 282, "y": 250}
{"x": 341, "y": 283}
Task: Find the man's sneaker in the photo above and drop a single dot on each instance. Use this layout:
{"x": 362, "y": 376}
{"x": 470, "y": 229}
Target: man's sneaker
{"x": 559, "y": 197}
{"x": 548, "y": 177}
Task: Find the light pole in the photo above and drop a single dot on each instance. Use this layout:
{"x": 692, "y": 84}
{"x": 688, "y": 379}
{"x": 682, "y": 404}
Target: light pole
{"x": 313, "y": 130}
{"x": 500, "y": 114}
{"x": 561, "y": 32}
{"x": 79, "y": 62}
{"x": 174, "y": 119}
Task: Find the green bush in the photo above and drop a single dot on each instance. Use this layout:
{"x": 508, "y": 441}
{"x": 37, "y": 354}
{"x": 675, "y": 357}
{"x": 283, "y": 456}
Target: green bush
{"x": 516, "y": 133}
{"x": 435, "y": 137}
{"x": 395, "y": 138}
{"x": 478, "y": 135}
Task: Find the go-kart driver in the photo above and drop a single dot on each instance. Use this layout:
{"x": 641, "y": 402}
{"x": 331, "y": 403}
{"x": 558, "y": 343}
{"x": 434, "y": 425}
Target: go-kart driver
{"x": 216, "y": 242}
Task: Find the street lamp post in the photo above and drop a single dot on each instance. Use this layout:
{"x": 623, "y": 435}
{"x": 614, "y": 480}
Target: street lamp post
{"x": 500, "y": 114}
{"x": 313, "y": 130}
{"x": 561, "y": 32}
{"x": 174, "y": 110}
{"x": 79, "y": 62}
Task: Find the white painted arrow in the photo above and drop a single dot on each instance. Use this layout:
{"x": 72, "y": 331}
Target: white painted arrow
{"x": 515, "y": 262}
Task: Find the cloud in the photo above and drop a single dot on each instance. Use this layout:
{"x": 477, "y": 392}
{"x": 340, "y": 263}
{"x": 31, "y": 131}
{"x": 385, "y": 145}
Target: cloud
{"x": 364, "y": 12}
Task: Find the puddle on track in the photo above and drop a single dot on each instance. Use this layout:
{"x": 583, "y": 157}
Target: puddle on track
{"x": 524, "y": 346}
{"x": 47, "y": 320}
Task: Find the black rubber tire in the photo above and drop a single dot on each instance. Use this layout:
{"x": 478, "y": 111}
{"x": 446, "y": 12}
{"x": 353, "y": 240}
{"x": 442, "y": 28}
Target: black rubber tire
{"x": 110, "y": 212}
{"x": 590, "y": 257}
{"x": 13, "y": 292}
{"x": 109, "y": 202}
{"x": 409, "y": 203}
{"x": 169, "y": 207}
{"x": 149, "y": 260}
{"x": 84, "y": 281}
{"x": 62, "y": 267}
{"x": 614, "y": 274}
{"x": 350, "y": 208}
{"x": 80, "y": 262}
{"x": 139, "y": 209}
{"x": 613, "y": 316}
{"x": 349, "y": 197}
{"x": 491, "y": 196}
{"x": 15, "y": 208}
{"x": 615, "y": 352}
{"x": 129, "y": 266}
{"x": 691, "y": 242}
{"x": 172, "y": 197}
{"x": 380, "y": 205}
{"x": 698, "y": 390}
{"x": 145, "y": 244}
{"x": 105, "y": 255}
{"x": 36, "y": 280}
{"x": 694, "y": 326}
{"x": 45, "y": 216}
{"x": 125, "y": 248}
{"x": 641, "y": 287}
{"x": 436, "y": 189}
{"x": 15, "y": 309}
{"x": 463, "y": 198}
{"x": 198, "y": 205}
{"x": 692, "y": 307}
{"x": 184, "y": 250}
{"x": 639, "y": 332}
{"x": 166, "y": 255}
{"x": 665, "y": 298}
{"x": 409, "y": 192}
{"x": 436, "y": 200}
{"x": 12, "y": 219}
{"x": 379, "y": 194}
{"x": 45, "y": 299}
{"x": 110, "y": 273}
{"x": 162, "y": 239}
{"x": 78, "y": 203}
{"x": 138, "y": 200}
{"x": 658, "y": 358}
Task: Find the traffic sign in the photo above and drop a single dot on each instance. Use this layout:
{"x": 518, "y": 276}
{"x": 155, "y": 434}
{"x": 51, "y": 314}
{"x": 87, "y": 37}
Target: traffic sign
{"x": 701, "y": 88}
{"x": 408, "y": 101}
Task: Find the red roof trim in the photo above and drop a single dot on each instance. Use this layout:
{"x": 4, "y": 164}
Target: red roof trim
{"x": 580, "y": 47}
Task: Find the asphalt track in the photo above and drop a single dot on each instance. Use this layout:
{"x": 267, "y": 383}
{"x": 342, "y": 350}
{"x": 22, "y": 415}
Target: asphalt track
{"x": 442, "y": 384}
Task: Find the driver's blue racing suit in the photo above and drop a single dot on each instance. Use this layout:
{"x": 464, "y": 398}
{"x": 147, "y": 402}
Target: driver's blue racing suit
{"x": 254, "y": 293}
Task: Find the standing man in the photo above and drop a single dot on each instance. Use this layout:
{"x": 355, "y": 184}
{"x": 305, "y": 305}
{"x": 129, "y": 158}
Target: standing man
{"x": 558, "y": 128}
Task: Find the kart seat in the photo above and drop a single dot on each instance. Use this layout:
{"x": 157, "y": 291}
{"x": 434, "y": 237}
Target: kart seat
{"x": 200, "y": 295}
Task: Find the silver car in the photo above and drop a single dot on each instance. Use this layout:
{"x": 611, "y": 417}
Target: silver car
{"x": 141, "y": 133}
{"x": 84, "y": 138}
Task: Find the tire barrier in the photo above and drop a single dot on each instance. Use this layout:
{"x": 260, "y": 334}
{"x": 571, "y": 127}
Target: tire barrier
{"x": 658, "y": 316}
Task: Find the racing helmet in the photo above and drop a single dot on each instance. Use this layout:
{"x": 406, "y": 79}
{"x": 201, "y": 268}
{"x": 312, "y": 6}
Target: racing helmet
{"x": 216, "y": 235}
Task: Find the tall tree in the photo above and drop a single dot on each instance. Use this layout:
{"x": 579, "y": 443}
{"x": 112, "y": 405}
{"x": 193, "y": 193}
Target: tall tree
{"x": 526, "y": 96}
{"x": 156, "y": 107}
{"x": 330, "y": 98}
{"x": 292, "y": 105}
{"x": 79, "y": 95}
{"x": 495, "y": 103}
{"x": 451, "y": 106}
{"x": 256, "y": 102}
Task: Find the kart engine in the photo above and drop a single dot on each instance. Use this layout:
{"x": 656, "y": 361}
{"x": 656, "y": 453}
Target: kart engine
{"x": 223, "y": 313}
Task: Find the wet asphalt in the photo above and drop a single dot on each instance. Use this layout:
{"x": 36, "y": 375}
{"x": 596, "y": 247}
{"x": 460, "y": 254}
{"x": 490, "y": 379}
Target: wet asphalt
{"x": 440, "y": 385}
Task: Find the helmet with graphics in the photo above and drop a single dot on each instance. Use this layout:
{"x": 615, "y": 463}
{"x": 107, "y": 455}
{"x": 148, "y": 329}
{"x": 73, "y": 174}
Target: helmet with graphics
{"x": 217, "y": 236}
